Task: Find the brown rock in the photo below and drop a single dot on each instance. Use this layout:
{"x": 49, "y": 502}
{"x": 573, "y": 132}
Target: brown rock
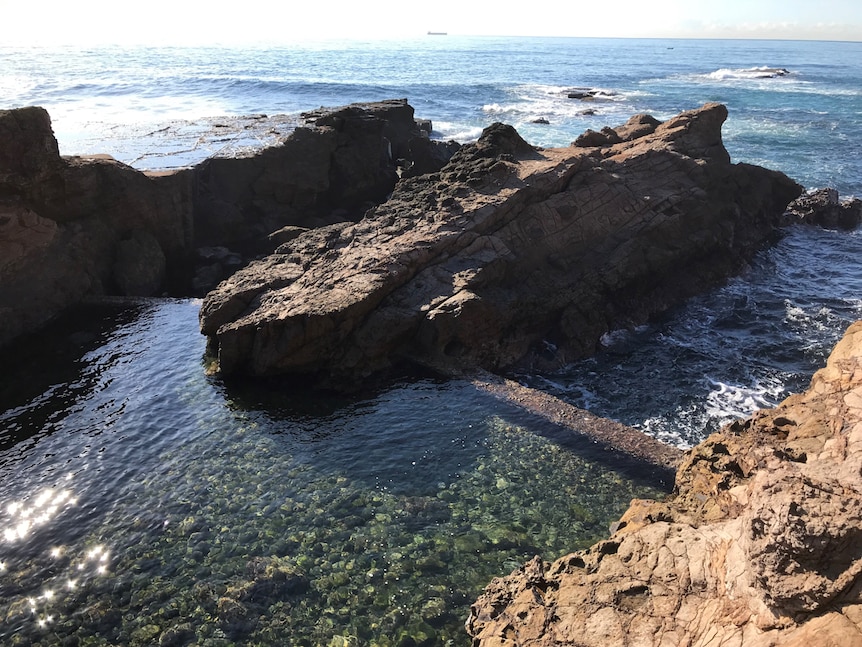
{"x": 824, "y": 208}
{"x": 22, "y": 234}
{"x": 760, "y": 544}
{"x": 140, "y": 266}
{"x": 336, "y": 165}
{"x": 509, "y": 255}
{"x": 72, "y": 227}
{"x": 637, "y": 126}
{"x": 592, "y": 139}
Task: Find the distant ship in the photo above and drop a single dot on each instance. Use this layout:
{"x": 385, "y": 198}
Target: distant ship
{"x": 437, "y": 33}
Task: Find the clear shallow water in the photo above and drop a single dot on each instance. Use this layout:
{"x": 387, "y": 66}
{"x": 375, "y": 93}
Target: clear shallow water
{"x": 157, "y": 491}
{"x": 142, "y": 501}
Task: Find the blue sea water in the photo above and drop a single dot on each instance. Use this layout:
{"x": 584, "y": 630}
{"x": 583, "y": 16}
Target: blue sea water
{"x": 806, "y": 123}
{"x": 135, "y": 489}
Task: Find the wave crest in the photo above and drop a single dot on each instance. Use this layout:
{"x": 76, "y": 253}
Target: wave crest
{"x": 749, "y": 73}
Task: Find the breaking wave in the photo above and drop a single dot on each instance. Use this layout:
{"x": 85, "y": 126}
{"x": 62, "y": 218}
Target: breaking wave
{"x": 750, "y": 73}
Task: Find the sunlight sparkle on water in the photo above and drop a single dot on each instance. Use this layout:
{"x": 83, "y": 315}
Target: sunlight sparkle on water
{"x": 24, "y": 519}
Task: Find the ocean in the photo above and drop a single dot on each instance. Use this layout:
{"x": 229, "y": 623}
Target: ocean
{"x": 143, "y": 501}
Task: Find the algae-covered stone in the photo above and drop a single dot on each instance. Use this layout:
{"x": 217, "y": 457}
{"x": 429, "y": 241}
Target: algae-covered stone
{"x": 234, "y": 617}
{"x": 177, "y": 636}
{"x": 272, "y": 578}
{"x": 146, "y": 635}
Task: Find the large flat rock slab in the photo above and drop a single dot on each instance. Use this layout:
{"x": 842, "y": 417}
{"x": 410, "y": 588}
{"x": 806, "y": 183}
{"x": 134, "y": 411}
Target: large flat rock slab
{"x": 508, "y": 256}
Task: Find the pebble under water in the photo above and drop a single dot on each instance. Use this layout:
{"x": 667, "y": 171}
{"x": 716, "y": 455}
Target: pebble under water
{"x": 146, "y": 503}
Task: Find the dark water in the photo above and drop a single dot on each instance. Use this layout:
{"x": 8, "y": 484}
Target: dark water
{"x": 721, "y": 356}
{"x": 142, "y": 500}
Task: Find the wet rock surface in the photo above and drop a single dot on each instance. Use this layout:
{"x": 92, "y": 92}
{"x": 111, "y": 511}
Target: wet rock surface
{"x": 508, "y": 256}
{"x": 824, "y": 208}
{"x": 760, "y": 544}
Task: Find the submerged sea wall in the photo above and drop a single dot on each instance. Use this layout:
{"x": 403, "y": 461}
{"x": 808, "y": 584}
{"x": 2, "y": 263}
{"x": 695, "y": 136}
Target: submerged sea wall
{"x": 759, "y": 544}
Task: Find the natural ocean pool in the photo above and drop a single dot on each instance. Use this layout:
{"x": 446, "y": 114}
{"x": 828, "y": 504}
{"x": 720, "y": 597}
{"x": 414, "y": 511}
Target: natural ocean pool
{"x": 144, "y": 502}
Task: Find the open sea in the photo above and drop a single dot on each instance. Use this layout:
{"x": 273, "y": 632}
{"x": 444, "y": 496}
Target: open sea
{"x": 145, "y": 502}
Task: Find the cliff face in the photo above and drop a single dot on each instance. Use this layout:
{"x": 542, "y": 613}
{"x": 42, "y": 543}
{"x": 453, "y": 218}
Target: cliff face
{"x": 507, "y": 255}
{"x": 760, "y": 543}
{"x": 74, "y": 227}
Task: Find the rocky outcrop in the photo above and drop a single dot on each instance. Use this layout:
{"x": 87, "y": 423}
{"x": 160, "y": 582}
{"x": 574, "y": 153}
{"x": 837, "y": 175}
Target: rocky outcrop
{"x": 335, "y": 165}
{"x": 823, "y": 208}
{"x": 759, "y": 544}
{"x": 508, "y": 256}
{"x": 73, "y": 227}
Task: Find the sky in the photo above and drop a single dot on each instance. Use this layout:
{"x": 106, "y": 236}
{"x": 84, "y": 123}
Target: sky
{"x": 195, "y": 22}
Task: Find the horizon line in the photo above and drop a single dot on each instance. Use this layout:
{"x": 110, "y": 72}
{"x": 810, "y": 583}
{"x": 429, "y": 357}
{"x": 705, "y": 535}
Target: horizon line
{"x": 436, "y": 35}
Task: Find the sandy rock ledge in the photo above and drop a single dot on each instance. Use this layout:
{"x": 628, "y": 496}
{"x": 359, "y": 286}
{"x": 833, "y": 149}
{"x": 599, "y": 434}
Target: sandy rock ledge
{"x": 760, "y": 543}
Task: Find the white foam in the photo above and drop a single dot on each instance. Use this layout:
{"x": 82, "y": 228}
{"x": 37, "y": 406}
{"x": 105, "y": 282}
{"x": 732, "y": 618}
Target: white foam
{"x": 727, "y": 402}
{"x": 762, "y": 72}
{"x": 459, "y": 132}
{"x": 614, "y": 337}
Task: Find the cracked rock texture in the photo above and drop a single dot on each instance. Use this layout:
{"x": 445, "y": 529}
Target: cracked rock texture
{"x": 72, "y": 228}
{"x": 507, "y": 256}
{"x": 760, "y": 543}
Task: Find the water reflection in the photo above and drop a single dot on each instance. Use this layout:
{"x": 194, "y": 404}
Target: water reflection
{"x": 24, "y": 518}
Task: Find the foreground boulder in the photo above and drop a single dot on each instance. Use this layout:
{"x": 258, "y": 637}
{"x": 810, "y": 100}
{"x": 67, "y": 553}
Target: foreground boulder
{"x": 508, "y": 256}
{"x": 760, "y": 543}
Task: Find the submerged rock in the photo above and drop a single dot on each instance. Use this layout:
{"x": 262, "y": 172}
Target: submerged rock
{"x": 508, "y": 256}
{"x": 760, "y": 543}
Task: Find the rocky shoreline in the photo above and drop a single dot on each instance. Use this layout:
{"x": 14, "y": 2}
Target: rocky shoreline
{"x": 374, "y": 245}
{"x": 759, "y": 544}
{"x": 76, "y": 227}
{"x": 509, "y": 256}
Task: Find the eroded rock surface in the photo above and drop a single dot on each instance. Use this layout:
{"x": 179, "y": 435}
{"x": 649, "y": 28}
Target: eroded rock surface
{"x": 73, "y": 227}
{"x": 509, "y": 255}
{"x": 824, "y": 208}
{"x": 760, "y": 544}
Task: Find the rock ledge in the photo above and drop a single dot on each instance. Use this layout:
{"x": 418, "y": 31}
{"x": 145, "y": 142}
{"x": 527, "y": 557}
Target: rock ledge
{"x": 760, "y": 543}
{"x": 509, "y": 255}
